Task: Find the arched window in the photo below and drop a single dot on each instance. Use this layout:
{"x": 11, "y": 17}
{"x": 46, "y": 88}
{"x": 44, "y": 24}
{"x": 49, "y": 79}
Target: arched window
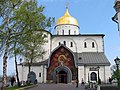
{"x": 74, "y": 32}
{"x": 71, "y": 44}
{"x": 57, "y": 32}
{"x": 85, "y": 45}
{"x": 59, "y": 43}
{"x": 93, "y": 44}
{"x": 62, "y": 32}
{"x": 64, "y": 43}
{"x": 69, "y": 32}
{"x": 93, "y": 76}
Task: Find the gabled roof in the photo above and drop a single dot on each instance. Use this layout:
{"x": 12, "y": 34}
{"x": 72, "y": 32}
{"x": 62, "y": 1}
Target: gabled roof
{"x": 92, "y": 58}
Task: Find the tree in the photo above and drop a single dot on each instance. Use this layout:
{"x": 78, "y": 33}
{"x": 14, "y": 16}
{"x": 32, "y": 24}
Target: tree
{"x": 21, "y": 22}
{"x": 31, "y": 20}
{"x": 115, "y": 73}
{"x": 6, "y": 12}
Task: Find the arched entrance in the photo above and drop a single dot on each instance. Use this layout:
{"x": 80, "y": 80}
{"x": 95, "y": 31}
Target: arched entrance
{"x": 31, "y": 77}
{"x": 93, "y": 76}
{"x": 62, "y": 77}
{"x": 62, "y": 74}
{"x": 61, "y": 66}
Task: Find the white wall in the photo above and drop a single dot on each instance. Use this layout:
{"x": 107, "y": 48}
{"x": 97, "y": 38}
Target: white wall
{"x": 74, "y": 30}
{"x": 23, "y": 73}
{"x": 80, "y": 73}
{"x": 46, "y": 47}
{"x": 84, "y": 72}
{"x": 78, "y": 43}
{"x": 107, "y": 73}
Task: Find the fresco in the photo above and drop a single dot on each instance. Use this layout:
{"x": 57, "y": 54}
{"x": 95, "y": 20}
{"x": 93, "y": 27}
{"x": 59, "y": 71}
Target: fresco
{"x": 61, "y": 57}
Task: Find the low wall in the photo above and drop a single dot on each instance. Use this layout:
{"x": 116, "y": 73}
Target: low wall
{"x": 106, "y": 87}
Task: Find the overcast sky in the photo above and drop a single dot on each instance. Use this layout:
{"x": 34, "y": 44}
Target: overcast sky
{"x": 94, "y": 17}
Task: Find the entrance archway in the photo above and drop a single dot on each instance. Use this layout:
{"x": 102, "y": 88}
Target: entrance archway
{"x": 62, "y": 74}
{"x": 31, "y": 77}
{"x": 62, "y": 77}
{"x": 93, "y": 76}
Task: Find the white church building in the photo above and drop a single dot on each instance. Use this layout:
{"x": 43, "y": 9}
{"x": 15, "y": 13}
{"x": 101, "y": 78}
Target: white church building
{"x": 70, "y": 56}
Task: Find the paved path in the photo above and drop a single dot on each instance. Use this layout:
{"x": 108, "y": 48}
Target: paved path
{"x": 57, "y": 87}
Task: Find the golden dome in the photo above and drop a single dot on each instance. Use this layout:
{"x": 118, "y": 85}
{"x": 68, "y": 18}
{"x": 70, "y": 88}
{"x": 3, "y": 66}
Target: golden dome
{"x": 67, "y": 19}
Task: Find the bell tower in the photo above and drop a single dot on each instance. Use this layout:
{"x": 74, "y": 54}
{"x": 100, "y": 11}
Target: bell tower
{"x": 116, "y": 17}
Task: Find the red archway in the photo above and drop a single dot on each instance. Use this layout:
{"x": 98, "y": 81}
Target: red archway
{"x": 61, "y": 56}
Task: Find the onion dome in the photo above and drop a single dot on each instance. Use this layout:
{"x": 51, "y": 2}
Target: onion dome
{"x": 67, "y": 19}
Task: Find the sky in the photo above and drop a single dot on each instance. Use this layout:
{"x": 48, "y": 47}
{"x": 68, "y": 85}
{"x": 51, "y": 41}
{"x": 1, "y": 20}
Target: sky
{"x": 94, "y": 17}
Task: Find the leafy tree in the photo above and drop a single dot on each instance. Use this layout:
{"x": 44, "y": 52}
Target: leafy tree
{"x": 6, "y": 13}
{"x": 31, "y": 20}
{"x": 115, "y": 72}
{"x": 21, "y": 30}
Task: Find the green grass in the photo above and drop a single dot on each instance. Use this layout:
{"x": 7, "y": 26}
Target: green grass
{"x": 13, "y": 88}
{"x": 16, "y": 87}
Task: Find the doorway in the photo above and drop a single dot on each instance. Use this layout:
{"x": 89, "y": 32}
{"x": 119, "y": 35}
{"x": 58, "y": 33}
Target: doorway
{"x": 62, "y": 76}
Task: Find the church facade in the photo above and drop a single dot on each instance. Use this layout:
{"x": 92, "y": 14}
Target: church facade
{"x": 70, "y": 56}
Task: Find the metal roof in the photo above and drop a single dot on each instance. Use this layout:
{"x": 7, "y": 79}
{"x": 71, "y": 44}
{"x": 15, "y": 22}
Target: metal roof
{"x": 92, "y": 58}
{"x": 84, "y": 58}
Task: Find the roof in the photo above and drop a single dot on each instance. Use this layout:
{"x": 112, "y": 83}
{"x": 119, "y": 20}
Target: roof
{"x": 36, "y": 63}
{"x": 92, "y": 58}
{"x": 79, "y": 35}
{"x": 84, "y": 58}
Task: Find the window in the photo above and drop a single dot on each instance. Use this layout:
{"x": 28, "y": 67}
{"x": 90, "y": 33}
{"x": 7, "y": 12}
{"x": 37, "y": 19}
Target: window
{"x": 39, "y": 74}
{"x": 93, "y": 76}
{"x": 93, "y": 44}
{"x": 62, "y": 32}
{"x": 71, "y": 44}
{"x": 64, "y": 43}
{"x": 69, "y": 32}
{"x": 59, "y": 43}
{"x": 75, "y": 32}
{"x": 57, "y": 32}
{"x": 85, "y": 45}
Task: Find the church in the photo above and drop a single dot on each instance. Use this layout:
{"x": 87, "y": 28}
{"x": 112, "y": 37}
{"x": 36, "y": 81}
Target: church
{"x": 69, "y": 56}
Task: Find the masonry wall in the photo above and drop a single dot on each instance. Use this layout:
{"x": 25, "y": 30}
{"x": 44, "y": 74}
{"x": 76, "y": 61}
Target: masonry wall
{"x": 40, "y": 72}
{"x": 78, "y": 43}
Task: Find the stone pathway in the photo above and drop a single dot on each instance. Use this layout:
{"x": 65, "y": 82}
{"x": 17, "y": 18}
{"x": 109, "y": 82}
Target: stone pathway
{"x": 57, "y": 87}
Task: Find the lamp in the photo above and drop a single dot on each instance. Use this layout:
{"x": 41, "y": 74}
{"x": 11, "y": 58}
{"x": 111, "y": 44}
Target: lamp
{"x": 117, "y": 62}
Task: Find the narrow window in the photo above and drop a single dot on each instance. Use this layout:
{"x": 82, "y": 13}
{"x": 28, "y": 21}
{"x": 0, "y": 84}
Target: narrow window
{"x": 39, "y": 74}
{"x": 93, "y": 44}
{"x": 57, "y": 32}
{"x": 71, "y": 44}
{"x": 62, "y": 32}
{"x": 69, "y": 32}
{"x": 59, "y": 43}
{"x": 75, "y": 32}
{"x": 64, "y": 43}
{"x": 85, "y": 45}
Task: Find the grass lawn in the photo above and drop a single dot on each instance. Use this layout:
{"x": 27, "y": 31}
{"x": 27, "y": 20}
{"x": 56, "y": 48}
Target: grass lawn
{"x": 13, "y": 88}
{"x": 16, "y": 87}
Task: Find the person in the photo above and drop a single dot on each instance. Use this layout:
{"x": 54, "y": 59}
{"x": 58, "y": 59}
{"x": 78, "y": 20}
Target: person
{"x": 110, "y": 80}
{"x": 82, "y": 82}
{"x": 12, "y": 80}
{"x": 77, "y": 83}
